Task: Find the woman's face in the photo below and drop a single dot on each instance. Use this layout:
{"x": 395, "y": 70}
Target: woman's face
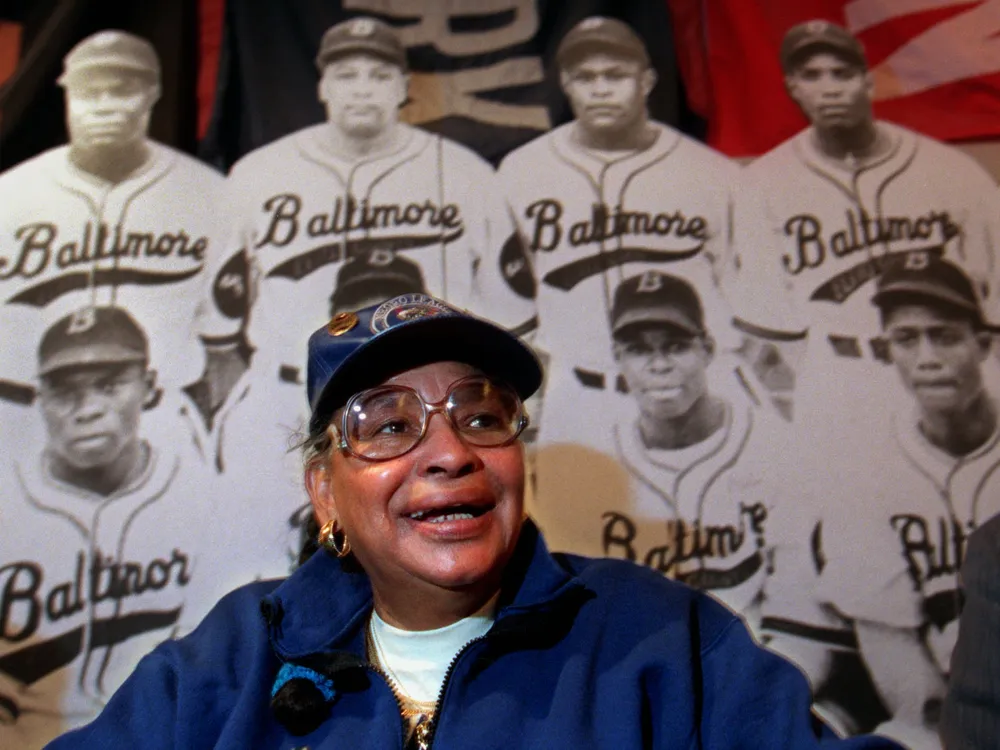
{"x": 398, "y": 514}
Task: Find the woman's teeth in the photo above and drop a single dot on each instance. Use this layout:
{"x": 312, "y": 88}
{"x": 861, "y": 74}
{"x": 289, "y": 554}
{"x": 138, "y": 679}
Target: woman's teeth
{"x": 430, "y": 517}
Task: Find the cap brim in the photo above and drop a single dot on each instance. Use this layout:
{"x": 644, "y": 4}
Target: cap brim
{"x": 909, "y": 290}
{"x": 651, "y": 317}
{"x": 360, "y": 47}
{"x": 592, "y": 46}
{"x": 809, "y": 47}
{"x": 90, "y": 355}
{"x": 79, "y": 70}
{"x": 437, "y": 338}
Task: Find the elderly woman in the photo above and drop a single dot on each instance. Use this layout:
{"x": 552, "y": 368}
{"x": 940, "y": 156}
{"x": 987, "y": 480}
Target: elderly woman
{"x": 434, "y": 616}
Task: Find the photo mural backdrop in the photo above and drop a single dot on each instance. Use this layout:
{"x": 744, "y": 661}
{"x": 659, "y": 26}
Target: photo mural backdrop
{"x": 774, "y": 381}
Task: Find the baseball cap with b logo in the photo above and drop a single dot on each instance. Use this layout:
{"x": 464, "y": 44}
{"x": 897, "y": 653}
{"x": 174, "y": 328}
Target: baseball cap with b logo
{"x": 375, "y": 275}
{"x": 111, "y": 49}
{"x": 922, "y": 276}
{"x": 657, "y": 298}
{"x": 818, "y": 35}
{"x": 92, "y": 336}
{"x": 361, "y": 35}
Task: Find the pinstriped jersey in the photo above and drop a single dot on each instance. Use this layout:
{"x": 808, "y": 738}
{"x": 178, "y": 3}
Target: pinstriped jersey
{"x": 894, "y": 540}
{"x": 90, "y": 583}
{"x": 701, "y": 514}
{"x": 69, "y": 239}
{"x": 301, "y": 212}
{"x": 812, "y": 236}
{"x": 591, "y": 220}
{"x": 817, "y": 234}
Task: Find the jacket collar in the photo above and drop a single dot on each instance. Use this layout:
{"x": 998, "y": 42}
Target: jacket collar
{"x": 323, "y": 604}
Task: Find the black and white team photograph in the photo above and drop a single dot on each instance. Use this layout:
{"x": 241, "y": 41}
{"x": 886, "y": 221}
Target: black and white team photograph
{"x": 360, "y": 189}
{"x": 769, "y": 374}
{"x": 680, "y": 484}
{"x": 107, "y": 219}
{"x": 820, "y": 216}
{"x": 101, "y": 549}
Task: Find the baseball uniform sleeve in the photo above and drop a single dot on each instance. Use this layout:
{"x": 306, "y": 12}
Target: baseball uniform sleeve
{"x": 505, "y": 278}
{"x": 227, "y": 296}
{"x": 971, "y": 717}
{"x": 864, "y": 575}
{"x": 795, "y": 621}
{"x": 503, "y": 286}
{"x": 982, "y": 246}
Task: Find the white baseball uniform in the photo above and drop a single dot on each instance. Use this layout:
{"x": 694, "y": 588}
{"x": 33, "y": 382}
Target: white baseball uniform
{"x": 812, "y": 237}
{"x": 301, "y": 212}
{"x": 700, "y": 514}
{"x": 89, "y": 584}
{"x": 888, "y": 548}
{"x": 920, "y": 508}
{"x": 69, "y": 239}
{"x": 589, "y": 221}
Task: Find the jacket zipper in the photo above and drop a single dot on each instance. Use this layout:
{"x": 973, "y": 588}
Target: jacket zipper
{"x": 425, "y": 732}
{"x": 399, "y": 704}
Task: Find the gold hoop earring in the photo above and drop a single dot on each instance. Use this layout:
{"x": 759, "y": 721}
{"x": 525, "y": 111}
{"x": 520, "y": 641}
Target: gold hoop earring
{"x": 328, "y": 539}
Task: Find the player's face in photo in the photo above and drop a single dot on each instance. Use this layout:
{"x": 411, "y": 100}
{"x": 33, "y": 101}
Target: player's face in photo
{"x": 362, "y": 94}
{"x": 938, "y": 358}
{"x": 108, "y": 107}
{"x": 606, "y": 92}
{"x": 832, "y": 92}
{"x": 92, "y": 412}
{"x": 664, "y": 369}
{"x": 376, "y": 501}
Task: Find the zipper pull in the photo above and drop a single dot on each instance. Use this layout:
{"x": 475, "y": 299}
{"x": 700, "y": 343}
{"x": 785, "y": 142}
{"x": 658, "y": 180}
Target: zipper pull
{"x": 422, "y": 733}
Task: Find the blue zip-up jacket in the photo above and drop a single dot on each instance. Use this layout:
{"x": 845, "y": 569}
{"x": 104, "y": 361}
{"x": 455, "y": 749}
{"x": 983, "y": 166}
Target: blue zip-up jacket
{"x": 583, "y": 654}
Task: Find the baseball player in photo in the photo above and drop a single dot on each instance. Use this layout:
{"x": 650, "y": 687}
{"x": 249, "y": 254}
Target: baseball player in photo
{"x": 694, "y": 501}
{"x": 99, "y": 531}
{"x": 603, "y": 198}
{"x": 362, "y": 184}
{"x": 893, "y": 538}
{"x": 112, "y": 218}
{"x": 822, "y": 214}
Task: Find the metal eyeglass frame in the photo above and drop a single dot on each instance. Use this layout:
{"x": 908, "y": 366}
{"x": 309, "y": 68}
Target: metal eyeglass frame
{"x": 429, "y": 409}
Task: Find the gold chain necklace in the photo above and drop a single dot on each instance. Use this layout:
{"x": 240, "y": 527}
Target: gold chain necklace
{"x": 417, "y": 714}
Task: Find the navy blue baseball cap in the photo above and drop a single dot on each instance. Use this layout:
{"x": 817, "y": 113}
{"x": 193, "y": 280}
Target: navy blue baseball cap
{"x": 357, "y": 350}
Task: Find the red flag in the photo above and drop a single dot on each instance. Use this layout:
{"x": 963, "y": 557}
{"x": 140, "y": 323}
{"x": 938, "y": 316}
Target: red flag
{"x": 936, "y": 66}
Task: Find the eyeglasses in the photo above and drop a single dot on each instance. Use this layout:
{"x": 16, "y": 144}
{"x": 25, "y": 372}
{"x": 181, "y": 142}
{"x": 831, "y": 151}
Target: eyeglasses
{"x": 389, "y": 421}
